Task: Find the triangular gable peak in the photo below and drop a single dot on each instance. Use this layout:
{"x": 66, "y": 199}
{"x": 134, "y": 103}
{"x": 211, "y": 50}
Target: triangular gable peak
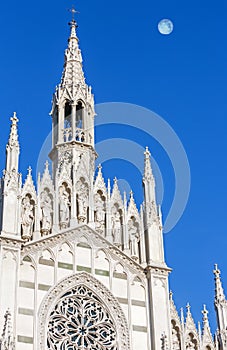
{"x": 191, "y": 334}
{"x": 116, "y": 198}
{"x": 100, "y": 183}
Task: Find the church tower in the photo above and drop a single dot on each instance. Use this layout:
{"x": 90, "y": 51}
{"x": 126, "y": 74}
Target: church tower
{"x": 73, "y": 153}
{"x": 80, "y": 266}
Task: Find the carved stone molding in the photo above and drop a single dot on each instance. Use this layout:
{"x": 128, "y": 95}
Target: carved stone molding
{"x": 93, "y": 238}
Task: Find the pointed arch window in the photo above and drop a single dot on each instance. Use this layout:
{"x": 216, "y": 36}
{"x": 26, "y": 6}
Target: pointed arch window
{"x": 68, "y": 115}
{"x": 79, "y": 115}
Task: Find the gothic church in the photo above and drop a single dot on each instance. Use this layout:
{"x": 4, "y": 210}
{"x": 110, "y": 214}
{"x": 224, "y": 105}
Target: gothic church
{"x": 80, "y": 266}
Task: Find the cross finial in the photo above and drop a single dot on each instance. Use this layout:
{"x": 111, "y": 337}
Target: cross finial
{"x": 46, "y": 165}
{"x": 73, "y": 12}
{"x": 14, "y": 119}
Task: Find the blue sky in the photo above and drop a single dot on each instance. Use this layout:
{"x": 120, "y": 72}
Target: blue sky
{"x": 182, "y": 77}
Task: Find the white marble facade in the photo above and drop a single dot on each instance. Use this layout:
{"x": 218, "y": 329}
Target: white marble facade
{"x": 80, "y": 266}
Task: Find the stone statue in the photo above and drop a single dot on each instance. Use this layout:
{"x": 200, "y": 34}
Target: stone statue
{"x": 190, "y": 344}
{"x": 64, "y": 204}
{"x": 133, "y": 239}
{"x": 82, "y": 203}
{"x": 27, "y": 218}
{"x": 99, "y": 214}
{"x": 116, "y": 228}
{"x": 175, "y": 340}
{"x": 46, "y": 207}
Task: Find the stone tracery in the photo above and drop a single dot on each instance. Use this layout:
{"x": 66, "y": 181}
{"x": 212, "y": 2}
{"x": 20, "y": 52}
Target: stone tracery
{"x": 80, "y": 321}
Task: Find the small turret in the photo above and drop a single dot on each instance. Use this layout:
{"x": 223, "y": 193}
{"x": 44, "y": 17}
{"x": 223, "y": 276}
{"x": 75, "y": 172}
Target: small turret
{"x": 220, "y": 304}
{"x": 11, "y": 184}
{"x": 152, "y": 221}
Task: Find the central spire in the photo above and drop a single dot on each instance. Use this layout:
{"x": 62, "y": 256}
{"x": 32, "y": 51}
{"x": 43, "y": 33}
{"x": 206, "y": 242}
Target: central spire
{"x": 73, "y": 72}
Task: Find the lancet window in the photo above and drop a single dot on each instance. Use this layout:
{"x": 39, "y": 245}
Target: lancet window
{"x": 68, "y": 115}
{"x": 79, "y": 115}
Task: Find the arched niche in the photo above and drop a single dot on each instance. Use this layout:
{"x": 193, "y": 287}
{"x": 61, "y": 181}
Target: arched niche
{"x": 26, "y": 296}
{"x": 46, "y": 268}
{"x": 83, "y": 256}
{"x": 138, "y": 303}
{"x": 102, "y": 267}
{"x": 102, "y": 322}
{"x": 120, "y": 282}
{"x": 65, "y": 260}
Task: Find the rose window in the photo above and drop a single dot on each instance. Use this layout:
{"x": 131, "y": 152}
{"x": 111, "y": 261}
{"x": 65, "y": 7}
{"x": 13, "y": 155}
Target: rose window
{"x": 81, "y": 321}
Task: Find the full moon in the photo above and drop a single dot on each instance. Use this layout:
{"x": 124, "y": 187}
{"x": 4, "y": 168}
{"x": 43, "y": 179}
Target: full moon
{"x": 165, "y": 26}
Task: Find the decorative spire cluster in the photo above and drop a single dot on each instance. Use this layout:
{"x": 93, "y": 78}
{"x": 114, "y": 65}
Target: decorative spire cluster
{"x": 185, "y": 334}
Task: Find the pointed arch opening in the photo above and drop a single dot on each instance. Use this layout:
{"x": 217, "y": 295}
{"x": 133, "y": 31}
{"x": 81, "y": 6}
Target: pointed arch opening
{"x": 68, "y": 122}
{"x": 79, "y": 115}
{"x": 80, "y": 134}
